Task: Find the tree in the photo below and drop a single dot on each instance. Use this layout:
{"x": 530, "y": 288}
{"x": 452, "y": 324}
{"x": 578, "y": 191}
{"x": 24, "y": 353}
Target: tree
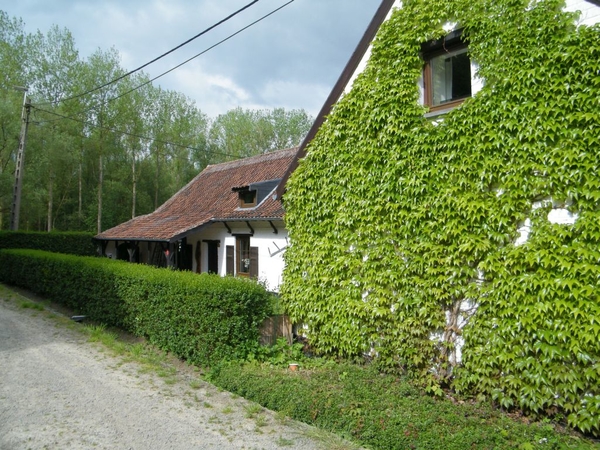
{"x": 99, "y": 156}
{"x": 15, "y": 48}
{"x": 241, "y": 133}
{"x": 54, "y": 66}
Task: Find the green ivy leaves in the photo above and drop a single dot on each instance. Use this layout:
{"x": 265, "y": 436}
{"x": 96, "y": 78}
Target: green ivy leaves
{"x": 399, "y": 227}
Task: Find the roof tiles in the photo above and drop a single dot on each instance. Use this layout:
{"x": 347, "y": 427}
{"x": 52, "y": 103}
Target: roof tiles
{"x": 209, "y": 196}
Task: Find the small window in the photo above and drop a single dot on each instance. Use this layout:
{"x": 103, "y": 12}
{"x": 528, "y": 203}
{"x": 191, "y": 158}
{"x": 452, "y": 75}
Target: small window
{"x": 246, "y": 263}
{"x": 247, "y": 199}
{"x": 447, "y": 73}
{"x": 243, "y": 254}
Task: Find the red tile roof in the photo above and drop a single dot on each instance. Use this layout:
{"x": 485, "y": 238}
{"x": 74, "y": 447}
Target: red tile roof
{"x": 207, "y": 197}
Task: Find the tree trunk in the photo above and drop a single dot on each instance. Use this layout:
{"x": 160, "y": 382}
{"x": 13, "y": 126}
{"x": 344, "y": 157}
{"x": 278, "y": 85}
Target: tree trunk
{"x": 156, "y": 174}
{"x": 134, "y": 187}
{"x": 100, "y": 183}
{"x": 80, "y": 205}
{"x": 50, "y": 201}
{"x": 80, "y": 187}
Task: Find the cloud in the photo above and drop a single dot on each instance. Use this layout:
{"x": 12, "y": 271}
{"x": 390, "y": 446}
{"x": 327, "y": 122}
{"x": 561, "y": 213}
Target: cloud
{"x": 294, "y": 95}
{"x": 213, "y": 93}
{"x": 291, "y": 59}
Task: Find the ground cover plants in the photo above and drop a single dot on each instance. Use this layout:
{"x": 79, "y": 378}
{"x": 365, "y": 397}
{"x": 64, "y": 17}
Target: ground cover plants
{"x": 384, "y": 411}
{"x": 167, "y": 375}
{"x": 357, "y": 402}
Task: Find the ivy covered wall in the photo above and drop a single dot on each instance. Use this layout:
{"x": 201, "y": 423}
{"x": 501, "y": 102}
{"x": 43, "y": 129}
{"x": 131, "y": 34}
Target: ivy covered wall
{"x": 411, "y": 236}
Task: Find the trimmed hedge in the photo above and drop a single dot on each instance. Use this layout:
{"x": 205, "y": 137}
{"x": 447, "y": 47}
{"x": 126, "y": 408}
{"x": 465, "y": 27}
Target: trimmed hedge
{"x": 384, "y": 411}
{"x": 72, "y": 243}
{"x": 202, "y": 318}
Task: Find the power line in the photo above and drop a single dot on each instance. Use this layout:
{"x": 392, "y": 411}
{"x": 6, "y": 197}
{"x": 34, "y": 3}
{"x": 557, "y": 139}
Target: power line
{"x": 159, "y": 57}
{"x": 139, "y": 136}
{"x": 199, "y": 54}
{"x": 177, "y": 66}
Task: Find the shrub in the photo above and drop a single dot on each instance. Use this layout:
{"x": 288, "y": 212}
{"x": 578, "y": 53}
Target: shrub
{"x": 68, "y": 242}
{"x": 202, "y": 318}
{"x": 383, "y": 411}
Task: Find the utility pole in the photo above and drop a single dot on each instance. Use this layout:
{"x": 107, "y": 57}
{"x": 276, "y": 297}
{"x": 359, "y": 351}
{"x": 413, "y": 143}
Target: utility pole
{"x": 16, "y": 204}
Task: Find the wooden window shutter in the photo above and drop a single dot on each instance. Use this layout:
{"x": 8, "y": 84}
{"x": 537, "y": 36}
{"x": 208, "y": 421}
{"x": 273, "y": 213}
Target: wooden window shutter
{"x": 254, "y": 262}
{"x": 229, "y": 252}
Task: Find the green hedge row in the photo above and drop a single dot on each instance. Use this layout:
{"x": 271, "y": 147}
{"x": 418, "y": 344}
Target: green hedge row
{"x": 383, "y": 411}
{"x": 202, "y": 318}
{"x": 72, "y": 243}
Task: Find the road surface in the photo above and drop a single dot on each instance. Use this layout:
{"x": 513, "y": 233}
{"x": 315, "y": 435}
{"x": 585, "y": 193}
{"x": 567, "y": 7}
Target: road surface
{"x": 59, "y": 391}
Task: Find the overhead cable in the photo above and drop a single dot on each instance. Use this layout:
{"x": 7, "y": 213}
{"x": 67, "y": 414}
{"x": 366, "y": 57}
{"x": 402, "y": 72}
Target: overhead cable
{"x": 125, "y": 133}
{"x": 159, "y": 57}
{"x": 199, "y": 54}
{"x": 183, "y": 63}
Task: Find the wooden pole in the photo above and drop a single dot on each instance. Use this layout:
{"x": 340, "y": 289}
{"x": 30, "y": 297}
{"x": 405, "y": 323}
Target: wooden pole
{"x": 16, "y": 204}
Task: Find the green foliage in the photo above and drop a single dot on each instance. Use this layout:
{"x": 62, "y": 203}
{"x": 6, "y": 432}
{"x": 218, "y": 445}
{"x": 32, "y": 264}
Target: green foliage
{"x": 82, "y": 174}
{"x": 416, "y": 220}
{"x": 202, "y": 318}
{"x": 72, "y": 243}
{"x": 242, "y": 133}
{"x": 281, "y": 354}
{"x": 383, "y": 411}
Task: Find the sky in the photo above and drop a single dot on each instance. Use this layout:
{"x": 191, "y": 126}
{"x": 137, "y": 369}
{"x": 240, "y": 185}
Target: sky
{"x": 289, "y": 60}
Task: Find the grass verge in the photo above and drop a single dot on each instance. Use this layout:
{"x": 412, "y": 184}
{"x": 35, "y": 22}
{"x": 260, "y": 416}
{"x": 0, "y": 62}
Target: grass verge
{"x": 381, "y": 411}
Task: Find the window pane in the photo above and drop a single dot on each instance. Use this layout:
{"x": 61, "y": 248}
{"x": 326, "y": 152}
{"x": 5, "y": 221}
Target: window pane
{"x": 248, "y": 197}
{"x": 244, "y": 262}
{"x": 450, "y": 77}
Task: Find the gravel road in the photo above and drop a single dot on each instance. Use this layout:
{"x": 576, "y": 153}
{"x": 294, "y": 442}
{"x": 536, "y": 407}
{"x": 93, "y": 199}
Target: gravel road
{"x": 59, "y": 391}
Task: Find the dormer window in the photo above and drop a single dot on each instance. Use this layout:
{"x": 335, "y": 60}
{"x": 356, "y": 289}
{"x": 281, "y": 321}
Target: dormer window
{"x": 253, "y": 194}
{"x": 247, "y": 199}
{"x": 447, "y": 73}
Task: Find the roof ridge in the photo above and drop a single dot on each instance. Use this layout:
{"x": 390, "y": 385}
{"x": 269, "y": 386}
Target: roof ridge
{"x": 255, "y": 159}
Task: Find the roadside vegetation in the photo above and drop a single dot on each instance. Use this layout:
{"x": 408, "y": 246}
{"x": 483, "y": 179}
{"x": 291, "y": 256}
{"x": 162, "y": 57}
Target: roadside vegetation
{"x": 359, "y": 401}
{"x": 382, "y": 411}
{"x": 353, "y": 399}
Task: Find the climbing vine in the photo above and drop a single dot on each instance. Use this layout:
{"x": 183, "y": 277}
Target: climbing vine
{"x": 412, "y": 236}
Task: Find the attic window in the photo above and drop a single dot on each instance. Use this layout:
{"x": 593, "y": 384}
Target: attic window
{"x": 247, "y": 199}
{"x": 447, "y": 72}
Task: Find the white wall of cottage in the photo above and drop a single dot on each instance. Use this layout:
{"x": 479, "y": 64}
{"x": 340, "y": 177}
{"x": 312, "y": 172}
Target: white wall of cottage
{"x": 589, "y": 13}
{"x": 271, "y": 248}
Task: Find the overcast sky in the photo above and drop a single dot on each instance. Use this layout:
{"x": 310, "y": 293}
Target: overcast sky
{"x": 291, "y": 59}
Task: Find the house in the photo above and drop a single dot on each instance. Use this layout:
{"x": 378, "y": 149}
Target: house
{"x": 443, "y": 211}
{"x": 225, "y": 221}
{"x": 433, "y": 72}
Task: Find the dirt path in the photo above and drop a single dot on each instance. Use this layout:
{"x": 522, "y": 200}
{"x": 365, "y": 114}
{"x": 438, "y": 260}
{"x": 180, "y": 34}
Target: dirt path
{"x": 58, "y": 391}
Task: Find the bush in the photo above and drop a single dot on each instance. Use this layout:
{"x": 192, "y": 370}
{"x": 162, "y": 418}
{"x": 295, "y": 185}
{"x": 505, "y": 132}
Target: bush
{"x": 70, "y": 242}
{"x": 382, "y": 411}
{"x": 202, "y": 318}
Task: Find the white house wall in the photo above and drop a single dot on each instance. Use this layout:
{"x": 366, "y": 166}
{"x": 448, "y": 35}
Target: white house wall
{"x": 589, "y": 13}
{"x": 271, "y": 248}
